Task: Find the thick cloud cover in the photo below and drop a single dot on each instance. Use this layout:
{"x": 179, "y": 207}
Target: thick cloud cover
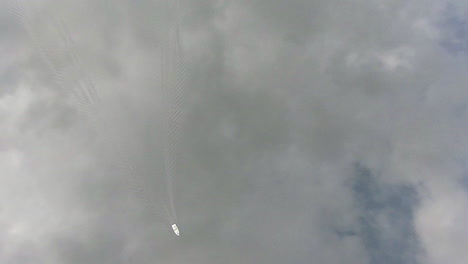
{"x": 317, "y": 132}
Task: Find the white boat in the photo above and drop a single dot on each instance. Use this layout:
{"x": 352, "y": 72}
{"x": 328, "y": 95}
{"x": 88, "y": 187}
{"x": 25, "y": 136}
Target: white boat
{"x": 176, "y": 229}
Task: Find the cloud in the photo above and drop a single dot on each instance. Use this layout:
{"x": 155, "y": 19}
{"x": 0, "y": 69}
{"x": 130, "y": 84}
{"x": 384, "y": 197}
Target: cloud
{"x": 284, "y": 99}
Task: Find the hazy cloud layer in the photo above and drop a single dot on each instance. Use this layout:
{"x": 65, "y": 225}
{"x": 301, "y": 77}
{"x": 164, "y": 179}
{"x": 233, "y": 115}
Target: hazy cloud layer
{"x": 317, "y": 132}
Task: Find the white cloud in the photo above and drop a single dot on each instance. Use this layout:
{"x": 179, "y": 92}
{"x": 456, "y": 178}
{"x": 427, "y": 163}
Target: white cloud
{"x": 441, "y": 225}
{"x": 285, "y": 97}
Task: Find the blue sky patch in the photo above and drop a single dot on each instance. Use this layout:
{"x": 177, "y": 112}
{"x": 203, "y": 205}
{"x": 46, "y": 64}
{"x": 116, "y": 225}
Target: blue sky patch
{"x": 454, "y": 29}
{"x": 386, "y": 218}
